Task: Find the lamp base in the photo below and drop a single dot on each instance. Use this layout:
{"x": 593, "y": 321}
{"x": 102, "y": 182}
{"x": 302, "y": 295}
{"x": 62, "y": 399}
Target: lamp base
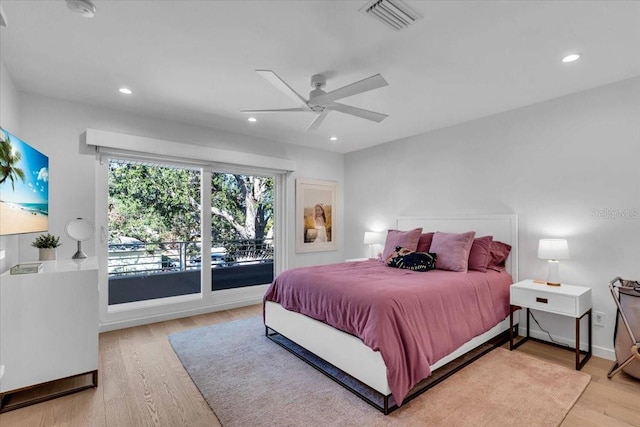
{"x": 553, "y": 278}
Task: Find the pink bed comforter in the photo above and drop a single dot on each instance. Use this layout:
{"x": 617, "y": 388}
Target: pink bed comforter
{"x": 413, "y": 318}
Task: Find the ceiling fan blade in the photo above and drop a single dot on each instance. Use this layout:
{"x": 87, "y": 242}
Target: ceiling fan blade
{"x": 276, "y": 110}
{"x": 355, "y": 111}
{"x": 370, "y": 83}
{"x": 276, "y": 81}
{"x": 315, "y": 124}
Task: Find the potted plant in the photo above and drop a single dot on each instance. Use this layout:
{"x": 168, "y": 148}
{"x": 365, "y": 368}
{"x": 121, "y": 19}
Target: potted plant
{"x": 47, "y": 245}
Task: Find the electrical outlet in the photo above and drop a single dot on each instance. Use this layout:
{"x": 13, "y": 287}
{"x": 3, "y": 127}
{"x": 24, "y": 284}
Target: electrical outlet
{"x": 598, "y": 318}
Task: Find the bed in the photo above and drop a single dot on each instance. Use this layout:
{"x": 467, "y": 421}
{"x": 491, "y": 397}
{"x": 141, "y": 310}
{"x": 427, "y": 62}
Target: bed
{"x": 376, "y": 342}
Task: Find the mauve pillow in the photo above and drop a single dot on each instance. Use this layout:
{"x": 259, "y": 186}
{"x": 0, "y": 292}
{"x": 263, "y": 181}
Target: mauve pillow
{"x": 479, "y": 254}
{"x": 452, "y": 250}
{"x": 498, "y": 254}
{"x": 425, "y": 242}
{"x": 406, "y": 239}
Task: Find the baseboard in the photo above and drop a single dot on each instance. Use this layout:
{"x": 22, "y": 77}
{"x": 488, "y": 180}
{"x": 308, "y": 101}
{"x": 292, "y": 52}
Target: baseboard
{"x": 603, "y": 352}
{"x": 225, "y": 300}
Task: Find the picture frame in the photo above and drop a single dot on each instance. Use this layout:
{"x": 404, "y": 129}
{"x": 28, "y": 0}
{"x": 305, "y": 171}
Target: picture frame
{"x": 316, "y": 215}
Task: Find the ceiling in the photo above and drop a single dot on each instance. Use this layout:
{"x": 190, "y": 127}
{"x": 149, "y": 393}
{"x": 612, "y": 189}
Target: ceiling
{"x": 194, "y": 61}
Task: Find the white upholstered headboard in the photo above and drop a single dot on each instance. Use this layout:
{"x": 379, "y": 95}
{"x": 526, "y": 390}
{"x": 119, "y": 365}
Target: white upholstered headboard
{"x": 503, "y": 227}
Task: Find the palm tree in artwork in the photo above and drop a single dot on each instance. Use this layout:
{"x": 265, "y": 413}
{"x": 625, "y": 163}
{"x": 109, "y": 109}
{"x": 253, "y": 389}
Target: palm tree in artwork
{"x": 9, "y": 158}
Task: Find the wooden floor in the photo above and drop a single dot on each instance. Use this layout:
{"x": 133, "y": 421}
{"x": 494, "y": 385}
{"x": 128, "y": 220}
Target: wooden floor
{"x": 142, "y": 383}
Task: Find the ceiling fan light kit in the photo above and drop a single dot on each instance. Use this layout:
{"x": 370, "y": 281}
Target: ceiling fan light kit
{"x": 321, "y": 102}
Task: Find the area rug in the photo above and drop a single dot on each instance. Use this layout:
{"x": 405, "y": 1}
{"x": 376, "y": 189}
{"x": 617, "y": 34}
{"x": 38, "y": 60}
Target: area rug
{"x": 248, "y": 380}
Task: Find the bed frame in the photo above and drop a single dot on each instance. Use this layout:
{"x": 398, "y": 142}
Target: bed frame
{"x": 351, "y": 356}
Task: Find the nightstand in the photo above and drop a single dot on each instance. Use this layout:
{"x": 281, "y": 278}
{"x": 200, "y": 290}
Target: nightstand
{"x": 565, "y": 300}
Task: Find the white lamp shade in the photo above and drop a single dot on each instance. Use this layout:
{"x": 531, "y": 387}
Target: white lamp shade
{"x": 372, "y": 238}
{"x": 553, "y": 249}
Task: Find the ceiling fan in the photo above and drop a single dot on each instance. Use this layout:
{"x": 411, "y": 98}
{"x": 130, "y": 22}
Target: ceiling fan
{"x": 321, "y": 102}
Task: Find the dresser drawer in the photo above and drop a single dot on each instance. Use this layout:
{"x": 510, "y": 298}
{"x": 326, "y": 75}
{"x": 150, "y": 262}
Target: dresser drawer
{"x": 546, "y": 301}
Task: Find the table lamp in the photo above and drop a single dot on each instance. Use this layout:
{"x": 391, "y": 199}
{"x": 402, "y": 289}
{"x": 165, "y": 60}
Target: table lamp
{"x": 372, "y": 239}
{"x": 553, "y": 250}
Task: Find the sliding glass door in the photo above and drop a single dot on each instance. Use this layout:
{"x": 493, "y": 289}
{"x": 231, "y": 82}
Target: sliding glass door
{"x": 155, "y": 223}
{"x": 154, "y": 231}
{"x": 242, "y": 230}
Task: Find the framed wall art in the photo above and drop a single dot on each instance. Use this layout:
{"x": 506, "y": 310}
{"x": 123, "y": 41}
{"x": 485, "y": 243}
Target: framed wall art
{"x": 316, "y": 215}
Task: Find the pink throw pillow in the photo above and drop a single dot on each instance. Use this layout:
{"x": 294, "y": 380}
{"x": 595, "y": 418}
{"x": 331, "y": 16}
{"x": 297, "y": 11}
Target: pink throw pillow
{"x": 498, "y": 254}
{"x": 425, "y": 242}
{"x": 479, "y": 254}
{"x": 406, "y": 239}
{"x": 452, "y": 250}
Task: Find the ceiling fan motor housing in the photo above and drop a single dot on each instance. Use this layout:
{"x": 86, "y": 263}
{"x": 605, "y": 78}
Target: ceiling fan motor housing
{"x": 318, "y": 81}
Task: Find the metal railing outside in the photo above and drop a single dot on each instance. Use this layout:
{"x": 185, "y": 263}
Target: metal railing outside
{"x": 128, "y": 259}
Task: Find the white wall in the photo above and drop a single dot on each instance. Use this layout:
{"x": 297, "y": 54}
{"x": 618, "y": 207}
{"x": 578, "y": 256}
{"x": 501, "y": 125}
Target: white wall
{"x": 9, "y": 119}
{"x": 553, "y": 164}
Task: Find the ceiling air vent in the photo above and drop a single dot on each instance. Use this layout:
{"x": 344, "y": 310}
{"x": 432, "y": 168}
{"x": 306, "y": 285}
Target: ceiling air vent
{"x": 392, "y": 13}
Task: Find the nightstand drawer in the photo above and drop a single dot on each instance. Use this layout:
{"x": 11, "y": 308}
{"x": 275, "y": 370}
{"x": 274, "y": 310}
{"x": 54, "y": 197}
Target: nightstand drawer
{"x": 546, "y": 301}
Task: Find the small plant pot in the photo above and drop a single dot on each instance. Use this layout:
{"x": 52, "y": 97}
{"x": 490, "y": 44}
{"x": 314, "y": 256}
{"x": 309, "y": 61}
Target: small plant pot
{"x": 47, "y": 254}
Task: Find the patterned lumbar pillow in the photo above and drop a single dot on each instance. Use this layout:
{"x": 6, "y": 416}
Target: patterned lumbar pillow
{"x": 409, "y": 260}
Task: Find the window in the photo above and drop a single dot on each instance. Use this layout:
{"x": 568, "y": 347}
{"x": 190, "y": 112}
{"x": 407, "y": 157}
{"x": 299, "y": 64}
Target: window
{"x": 155, "y": 215}
{"x": 165, "y": 258}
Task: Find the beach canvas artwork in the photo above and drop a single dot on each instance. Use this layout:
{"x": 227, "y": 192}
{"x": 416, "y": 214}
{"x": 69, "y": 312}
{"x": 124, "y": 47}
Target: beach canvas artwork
{"x": 24, "y": 187}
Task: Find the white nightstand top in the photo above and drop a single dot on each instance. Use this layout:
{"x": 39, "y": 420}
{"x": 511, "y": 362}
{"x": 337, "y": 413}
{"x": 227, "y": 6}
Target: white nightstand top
{"x": 563, "y": 289}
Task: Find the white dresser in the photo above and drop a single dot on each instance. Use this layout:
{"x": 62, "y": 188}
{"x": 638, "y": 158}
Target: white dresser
{"x": 48, "y": 327}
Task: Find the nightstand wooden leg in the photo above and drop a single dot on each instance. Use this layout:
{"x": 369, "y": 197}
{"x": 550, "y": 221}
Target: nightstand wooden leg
{"x": 510, "y": 327}
{"x": 512, "y": 333}
{"x": 587, "y": 353}
{"x": 578, "y": 343}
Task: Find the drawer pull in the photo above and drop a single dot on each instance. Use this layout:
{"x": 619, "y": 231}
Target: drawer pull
{"x": 542, "y": 300}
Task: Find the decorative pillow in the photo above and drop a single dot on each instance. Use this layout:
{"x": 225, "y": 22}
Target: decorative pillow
{"x": 416, "y": 261}
{"x": 452, "y": 250}
{"x": 424, "y": 243}
{"x": 405, "y": 239}
{"x": 498, "y": 254}
{"x": 479, "y": 254}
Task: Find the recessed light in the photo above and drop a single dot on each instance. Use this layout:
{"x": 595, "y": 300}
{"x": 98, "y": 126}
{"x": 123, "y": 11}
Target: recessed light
{"x": 125, "y": 91}
{"x": 252, "y": 119}
{"x": 333, "y": 138}
{"x": 571, "y": 58}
